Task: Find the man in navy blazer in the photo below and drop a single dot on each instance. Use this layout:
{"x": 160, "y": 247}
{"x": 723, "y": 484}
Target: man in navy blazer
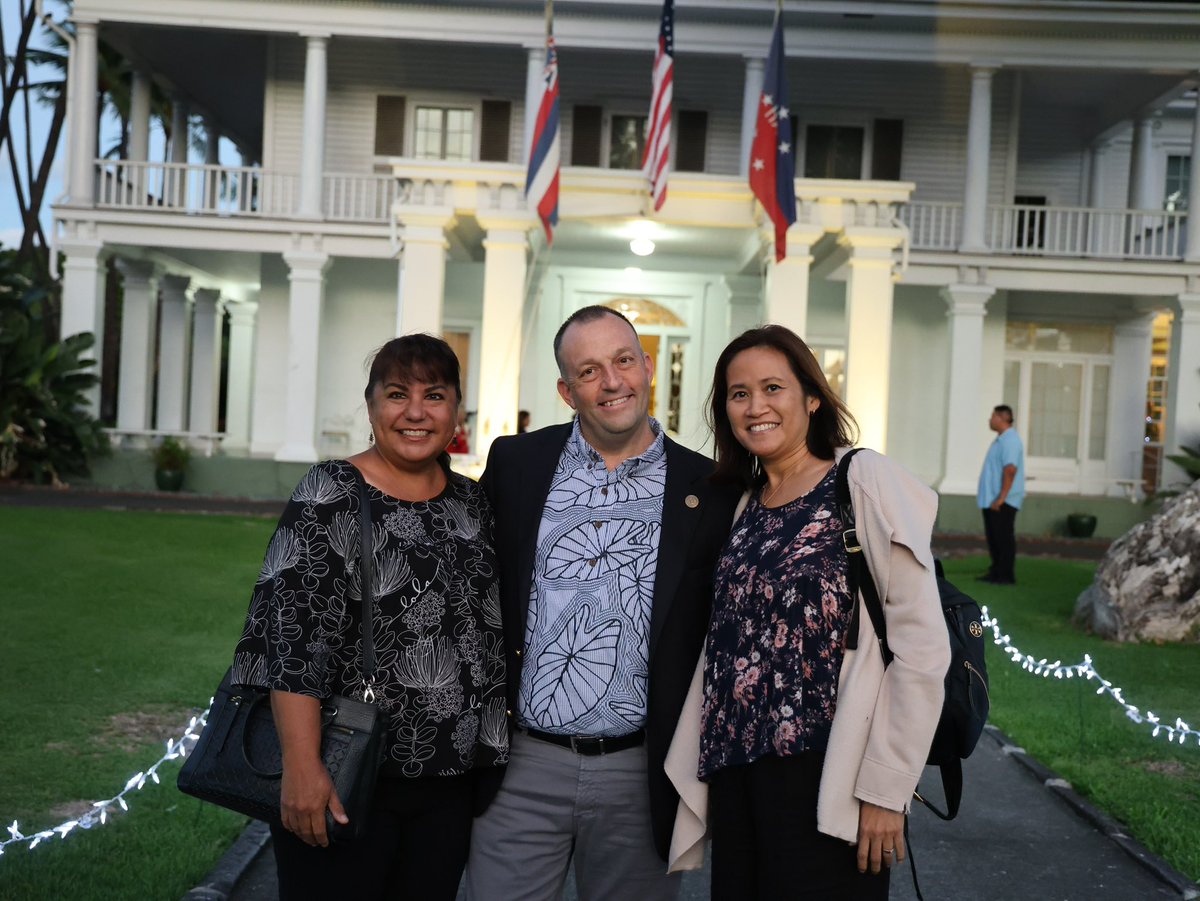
{"x": 607, "y": 533}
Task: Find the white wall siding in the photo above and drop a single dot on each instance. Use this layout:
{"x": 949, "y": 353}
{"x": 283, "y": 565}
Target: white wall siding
{"x": 1051, "y": 157}
{"x": 359, "y": 316}
{"x": 919, "y": 381}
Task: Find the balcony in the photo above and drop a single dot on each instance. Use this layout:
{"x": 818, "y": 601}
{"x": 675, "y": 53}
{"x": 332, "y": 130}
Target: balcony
{"x": 699, "y": 200}
{"x": 1041, "y": 231}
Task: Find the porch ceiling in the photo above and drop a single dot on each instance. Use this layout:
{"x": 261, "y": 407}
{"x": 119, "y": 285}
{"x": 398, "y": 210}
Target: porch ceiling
{"x": 221, "y": 72}
{"x": 1107, "y": 97}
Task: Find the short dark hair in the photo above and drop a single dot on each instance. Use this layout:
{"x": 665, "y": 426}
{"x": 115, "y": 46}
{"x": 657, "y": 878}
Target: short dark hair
{"x": 1004, "y": 410}
{"x": 419, "y": 357}
{"x": 830, "y": 427}
{"x": 581, "y": 316}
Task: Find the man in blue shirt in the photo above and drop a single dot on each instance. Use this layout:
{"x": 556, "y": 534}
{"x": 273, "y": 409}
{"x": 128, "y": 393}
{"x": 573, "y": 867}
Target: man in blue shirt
{"x": 1001, "y": 491}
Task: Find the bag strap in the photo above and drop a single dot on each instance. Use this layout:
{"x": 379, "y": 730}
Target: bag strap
{"x": 951, "y": 771}
{"x": 366, "y": 583}
{"x": 858, "y": 575}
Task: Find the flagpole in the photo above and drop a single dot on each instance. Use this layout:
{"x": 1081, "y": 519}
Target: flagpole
{"x": 549, "y": 17}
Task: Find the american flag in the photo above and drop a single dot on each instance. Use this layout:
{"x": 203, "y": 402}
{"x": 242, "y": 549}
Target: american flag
{"x": 541, "y": 181}
{"x": 772, "y": 161}
{"x": 656, "y": 162}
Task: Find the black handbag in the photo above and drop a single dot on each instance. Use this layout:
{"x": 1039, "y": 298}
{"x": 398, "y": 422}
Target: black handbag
{"x": 237, "y": 762}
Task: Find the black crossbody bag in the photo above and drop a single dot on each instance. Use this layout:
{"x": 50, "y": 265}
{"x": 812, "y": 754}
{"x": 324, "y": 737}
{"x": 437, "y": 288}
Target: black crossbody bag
{"x": 237, "y": 762}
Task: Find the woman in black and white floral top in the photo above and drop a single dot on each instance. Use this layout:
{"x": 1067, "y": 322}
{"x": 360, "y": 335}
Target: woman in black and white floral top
{"x": 440, "y": 662}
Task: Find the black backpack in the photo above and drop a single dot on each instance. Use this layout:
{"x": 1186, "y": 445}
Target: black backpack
{"x": 965, "y": 708}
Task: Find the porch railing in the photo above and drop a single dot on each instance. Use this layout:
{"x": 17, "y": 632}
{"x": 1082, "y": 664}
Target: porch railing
{"x": 359, "y": 198}
{"x": 1082, "y": 232}
{"x": 933, "y": 226}
{"x": 195, "y": 188}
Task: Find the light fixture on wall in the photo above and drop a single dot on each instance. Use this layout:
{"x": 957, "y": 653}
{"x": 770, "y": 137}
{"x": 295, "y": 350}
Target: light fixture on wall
{"x": 643, "y": 247}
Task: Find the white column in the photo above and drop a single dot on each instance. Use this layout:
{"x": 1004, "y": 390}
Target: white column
{"x": 305, "y": 300}
{"x": 312, "y": 152}
{"x": 1183, "y": 391}
{"x": 139, "y": 329}
{"x": 1192, "y": 252}
{"x": 139, "y": 116}
{"x": 205, "y": 390}
{"x": 422, "y": 274}
{"x": 1141, "y": 158}
{"x": 500, "y": 350}
{"x": 1096, "y": 174}
{"x": 83, "y": 127}
{"x": 174, "y": 346}
{"x": 979, "y": 145}
{"x": 869, "y": 340}
{"x": 240, "y": 378}
{"x": 966, "y": 411}
{"x": 534, "y": 68}
{"x": 179, "y": 128}
{"x": 175, "y": 182}
{"x": 1132, "y": 344}
{"x": 83, "y": 299}
{"x": 786, "y": 288}
{"x": 751, "y": 94}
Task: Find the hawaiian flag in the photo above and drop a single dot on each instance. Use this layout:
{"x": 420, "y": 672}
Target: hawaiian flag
{"x": 772, "y": 163}
{"x": 541, "y": 181}
{"x": 656, "y": 162}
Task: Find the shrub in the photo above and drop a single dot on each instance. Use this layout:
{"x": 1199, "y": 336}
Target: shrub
{"x": 46, "y": 431}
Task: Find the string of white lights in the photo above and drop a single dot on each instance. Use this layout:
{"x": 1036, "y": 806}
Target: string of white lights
{"x": 179, "y": 747}
{"x": 1085, "y": 670}
{"x": 102, "y": 811}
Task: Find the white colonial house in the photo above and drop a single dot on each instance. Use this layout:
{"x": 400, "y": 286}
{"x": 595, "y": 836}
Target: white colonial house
{"x": 992, "y": 202}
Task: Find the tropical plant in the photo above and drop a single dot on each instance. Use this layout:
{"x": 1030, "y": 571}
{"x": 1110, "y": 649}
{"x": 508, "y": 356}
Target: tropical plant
{"x": 1188, "y": 461}
{"x": 171, "y": 454}
{"x": 46, "y": 431}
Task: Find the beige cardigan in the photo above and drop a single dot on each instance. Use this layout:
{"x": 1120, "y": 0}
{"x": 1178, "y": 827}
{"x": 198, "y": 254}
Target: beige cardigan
{"x": 885, "y": 718}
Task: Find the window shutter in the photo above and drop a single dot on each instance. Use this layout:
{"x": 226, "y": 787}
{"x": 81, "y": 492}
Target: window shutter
{"x": 585, "y": 135}
{"x": 389, "y": 126}
{"x": 885, "y": 152}
{"x": 690, "y": 147}
{"x": 495, "y": 131}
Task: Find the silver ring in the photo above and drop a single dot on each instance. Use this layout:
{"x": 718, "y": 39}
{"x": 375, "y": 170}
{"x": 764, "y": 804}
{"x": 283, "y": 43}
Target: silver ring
{"x": 889, "y": 850}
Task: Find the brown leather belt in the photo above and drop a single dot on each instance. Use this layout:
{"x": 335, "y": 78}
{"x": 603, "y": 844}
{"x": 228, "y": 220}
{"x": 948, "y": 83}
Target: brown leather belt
{"x": 591, "y": 745}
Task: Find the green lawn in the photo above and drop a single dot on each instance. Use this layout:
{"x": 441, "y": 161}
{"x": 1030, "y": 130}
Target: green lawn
{"x": 1149, "y": 785}
{"x": 114, "y": 626}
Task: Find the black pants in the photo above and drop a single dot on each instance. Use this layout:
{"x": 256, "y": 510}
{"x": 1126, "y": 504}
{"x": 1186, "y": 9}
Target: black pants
{"x": 1000, "y": 528}
{"x": 765, "y": 842}
{"x": 415, "y": 847}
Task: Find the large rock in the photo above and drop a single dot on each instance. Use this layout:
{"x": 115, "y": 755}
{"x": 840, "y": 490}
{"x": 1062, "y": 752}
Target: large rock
{"x": 1147, "y": 588}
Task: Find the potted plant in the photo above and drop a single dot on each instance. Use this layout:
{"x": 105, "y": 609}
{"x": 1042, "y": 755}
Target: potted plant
{"x": 170, "y": 462}
{"x": 1081, "y": 525}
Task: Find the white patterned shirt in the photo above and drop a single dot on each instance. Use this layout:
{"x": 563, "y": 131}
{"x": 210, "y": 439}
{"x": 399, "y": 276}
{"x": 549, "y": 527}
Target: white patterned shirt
{"x": 587, "y": 636}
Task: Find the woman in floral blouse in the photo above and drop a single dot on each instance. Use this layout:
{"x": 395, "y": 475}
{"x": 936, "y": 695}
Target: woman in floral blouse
{"x": 782, "y": 693}
{"x": 440, "y": 663}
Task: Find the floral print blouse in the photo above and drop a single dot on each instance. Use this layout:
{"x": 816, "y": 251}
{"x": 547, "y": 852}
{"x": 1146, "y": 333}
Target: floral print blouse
{"x": 439, "y": 657}
{"x": 781, "y": 607}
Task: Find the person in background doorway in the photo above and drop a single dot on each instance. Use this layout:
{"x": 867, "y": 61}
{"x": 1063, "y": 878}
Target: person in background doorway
{"x": 458, "y": 444}
{"x": 1001, "y": 491}
{"x": 523, "y": 419}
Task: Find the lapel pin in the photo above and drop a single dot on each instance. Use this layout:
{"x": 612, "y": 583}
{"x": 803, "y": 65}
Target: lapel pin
{"x": 692, "y": 501}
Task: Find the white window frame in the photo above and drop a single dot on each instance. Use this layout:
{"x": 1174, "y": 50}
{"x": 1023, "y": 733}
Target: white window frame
{"x": 838, "y": 118}
{"x": 606, "y": 121}
{"x": 442, "y": 100}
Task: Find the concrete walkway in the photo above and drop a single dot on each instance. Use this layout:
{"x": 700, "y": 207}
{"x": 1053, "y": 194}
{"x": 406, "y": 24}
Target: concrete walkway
{"x": 1022, "y": 833}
